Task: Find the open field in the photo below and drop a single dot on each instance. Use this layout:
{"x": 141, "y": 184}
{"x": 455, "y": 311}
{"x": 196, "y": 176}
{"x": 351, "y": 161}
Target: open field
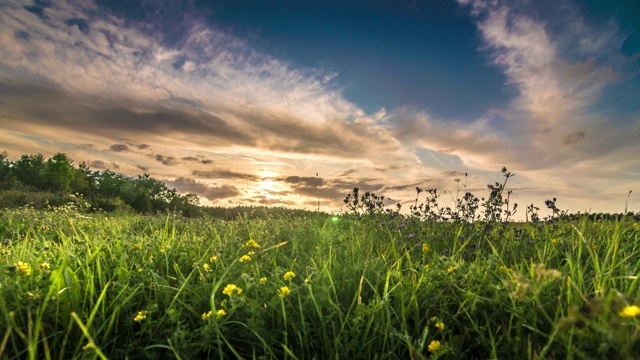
{"x": 90, "y": 285}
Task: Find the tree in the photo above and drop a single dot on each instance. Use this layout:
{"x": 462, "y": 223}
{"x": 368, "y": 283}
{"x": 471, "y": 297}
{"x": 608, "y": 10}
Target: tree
{"x": 83, "y": 181}
{"x": 27, "y": 170}
{"x": 7, "y": 179}
{"x": 141, "y": 201}
{"x": 57, "y": 173}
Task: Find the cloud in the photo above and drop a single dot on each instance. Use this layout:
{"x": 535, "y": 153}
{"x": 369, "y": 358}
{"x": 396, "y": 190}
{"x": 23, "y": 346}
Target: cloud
{"x": 213, "y": 193}
{"x": 119, "y": 147}
{"x": 224, "y": 174}
{"x": 197, "y": 159}
{"x": 574, "y": 137}
{"x": 165, "y": 160}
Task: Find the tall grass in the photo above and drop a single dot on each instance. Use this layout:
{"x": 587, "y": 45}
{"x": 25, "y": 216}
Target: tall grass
{"x": 76, "y": 285}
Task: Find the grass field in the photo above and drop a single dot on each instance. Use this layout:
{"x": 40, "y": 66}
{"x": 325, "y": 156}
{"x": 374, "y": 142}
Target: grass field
{"x": 89, "y": 285}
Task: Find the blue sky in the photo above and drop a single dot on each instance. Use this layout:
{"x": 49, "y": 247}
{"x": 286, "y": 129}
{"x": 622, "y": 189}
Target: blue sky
{"x": 243, "y": 102}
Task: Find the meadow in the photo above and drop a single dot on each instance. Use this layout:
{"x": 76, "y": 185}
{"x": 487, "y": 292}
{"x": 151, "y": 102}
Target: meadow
{"x": 78, "y": 284}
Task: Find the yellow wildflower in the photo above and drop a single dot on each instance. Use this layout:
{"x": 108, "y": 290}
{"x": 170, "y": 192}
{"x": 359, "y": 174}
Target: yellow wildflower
{"x": 251, "y": 253}
{"x": 151, "y": 258}
{"x": 206, "y": 267}
{"x": 284, "y": 291}
{"x": 206, "y": 315}
{"x": 245, "y": 258}
{"x": 630, "y": 311}
{"x": 450, "y": 269}
{"x": 262, "y": 281}
{"x": 434, "y": 346}
{"x": 23, "y": 268}
{"x": 162, "y": 249}
{"x": 141, "y": 316}
{"x": 220, "y": 313}
{"x": 289, "y": 275}
{"x": 251, "y": 243}
{"x": 554, "y": 241}
{"x": 213, "y": 259}
{"x": 425, "y": 248}
{"x": 230, "y": 289}
{"x": 440, "y": 325}
{"x": 45, "y": 266}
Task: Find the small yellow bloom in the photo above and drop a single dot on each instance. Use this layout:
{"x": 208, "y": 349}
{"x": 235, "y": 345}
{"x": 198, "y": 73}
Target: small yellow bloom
{"x": 450, "y": 269}
{"x": 245, "y": 258}
{"x": 289, "y": 275}
{"x": 251, "y": 253}
{"x": 206, "y": 267}
{"x": 284, "y": 291}
{"x": 434, "y": 346}
{"x": 230, "y": 289}
{"x": 23, "y": 268}
{"x": 251, "y": 243}
{"x": 141, "y": 316}
{"x": 425, "y": 248}
{"x": 162, "y": 249}
{"x": 213, "y": 259}
{"x": 151, "y": 258}
{"x": 630, "y": 311}
{"x": 554, "y": 241}
{"x": 262, "y": 281}
{"x": 440, "y": 325}
{"x": 206, "y": 315}
{"x": 45, "y": 266}
{"x": 220, "y": 313}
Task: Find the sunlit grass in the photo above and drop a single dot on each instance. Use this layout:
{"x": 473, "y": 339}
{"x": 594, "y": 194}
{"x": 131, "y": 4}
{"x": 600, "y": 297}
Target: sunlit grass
{"x": 79, "y": 285}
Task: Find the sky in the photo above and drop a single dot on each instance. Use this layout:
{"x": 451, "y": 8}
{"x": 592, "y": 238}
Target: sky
{"x": 295, "y": 103}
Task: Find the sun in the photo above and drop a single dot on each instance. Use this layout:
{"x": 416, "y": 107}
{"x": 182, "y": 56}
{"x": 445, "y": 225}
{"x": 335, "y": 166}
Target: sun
{"x": 267, "y": 180}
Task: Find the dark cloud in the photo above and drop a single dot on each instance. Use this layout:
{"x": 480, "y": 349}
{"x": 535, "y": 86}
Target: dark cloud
{"x": 165, "y": 160}
{"x": 80, "y": 23}
{"x": 119, "y": 147}
{"x": 186, "y": 185}
{"x": 304, "y": 181}
{"x": 574, "y": 137}
{"x": 335, "y": 190}
{"x": 21, "y": 34}
{"x": 224, "y": 174}
{"x": 97, "y": 164}
{"x": 41, "y": 102}
{"x": 197, "y": 159}
{"x": 38, "y": 8}
{"x": 102, "y": 165}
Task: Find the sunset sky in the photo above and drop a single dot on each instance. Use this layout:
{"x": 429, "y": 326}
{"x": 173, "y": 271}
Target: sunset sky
{"x": 243, "y": 102}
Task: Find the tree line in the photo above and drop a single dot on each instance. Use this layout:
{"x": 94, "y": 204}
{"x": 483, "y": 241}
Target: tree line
{"x": 39, "y": 181}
